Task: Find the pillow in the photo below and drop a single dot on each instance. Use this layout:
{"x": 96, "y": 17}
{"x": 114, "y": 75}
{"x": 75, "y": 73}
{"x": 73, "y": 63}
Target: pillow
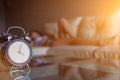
{"x": 52, "y": 27}
{"x": 75, "y": 23}
{"x": 100, "y": 30}
{"x": 106, "y": 27}
{"x": 87, "y": 28}
{"x": 86, "y": 32}
{"x": 107, "y": 30}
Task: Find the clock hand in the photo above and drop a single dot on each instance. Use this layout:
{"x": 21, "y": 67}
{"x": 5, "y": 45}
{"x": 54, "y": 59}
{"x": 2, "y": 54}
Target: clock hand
{"x": 22, "y": 53}
{"x": 20, "y": 49}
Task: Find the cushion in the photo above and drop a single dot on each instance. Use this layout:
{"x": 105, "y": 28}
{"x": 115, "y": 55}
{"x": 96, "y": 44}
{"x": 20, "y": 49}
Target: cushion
{"x": 87, "y": 28}
{"x": 75, "y": 23}
{"x": 100, "y": 29}
{"x": 53, "y": 26}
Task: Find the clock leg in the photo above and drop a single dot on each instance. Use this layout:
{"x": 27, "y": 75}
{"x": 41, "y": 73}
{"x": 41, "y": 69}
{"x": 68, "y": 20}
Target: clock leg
{"x": 20, "y": 72}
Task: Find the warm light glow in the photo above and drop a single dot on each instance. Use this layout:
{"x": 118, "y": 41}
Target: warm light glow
{"x": 117, "y": 14}
{"x": 115, "y": 18}
{"x": 113, "y": 23}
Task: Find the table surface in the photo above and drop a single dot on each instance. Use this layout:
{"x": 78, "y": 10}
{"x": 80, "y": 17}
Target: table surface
{"x": 49, "y": 72}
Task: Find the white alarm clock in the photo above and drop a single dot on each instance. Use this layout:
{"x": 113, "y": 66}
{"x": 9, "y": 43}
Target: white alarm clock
{"x": 18, "y": 52}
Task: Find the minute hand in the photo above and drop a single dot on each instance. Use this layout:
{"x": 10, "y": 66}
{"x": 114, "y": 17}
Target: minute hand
{"x": 20, "y": 49}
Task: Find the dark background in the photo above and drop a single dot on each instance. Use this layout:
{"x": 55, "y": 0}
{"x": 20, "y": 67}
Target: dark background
{"x": 33, "y": 14}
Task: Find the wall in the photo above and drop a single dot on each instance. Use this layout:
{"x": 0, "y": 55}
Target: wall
{"x": 33, "y": 14}
{"x": 2, "y": 17}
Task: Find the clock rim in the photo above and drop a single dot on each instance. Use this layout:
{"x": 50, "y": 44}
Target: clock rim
{"x": 13, "y": 62}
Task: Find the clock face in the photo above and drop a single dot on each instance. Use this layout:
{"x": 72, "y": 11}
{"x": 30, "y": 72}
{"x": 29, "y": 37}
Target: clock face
{"x": 19, "y": 52}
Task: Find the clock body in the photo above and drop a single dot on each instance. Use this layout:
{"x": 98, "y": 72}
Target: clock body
{"x": 18, "y": 52}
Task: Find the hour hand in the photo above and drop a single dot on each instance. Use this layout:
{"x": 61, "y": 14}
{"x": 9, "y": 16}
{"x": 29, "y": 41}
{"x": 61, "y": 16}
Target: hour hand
{"x": 20, "y": 52}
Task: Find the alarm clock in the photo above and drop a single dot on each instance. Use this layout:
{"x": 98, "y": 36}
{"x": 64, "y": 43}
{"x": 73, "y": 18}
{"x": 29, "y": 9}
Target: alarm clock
{"x": 18, "y": 52}
{"x": 16, "y": 49}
